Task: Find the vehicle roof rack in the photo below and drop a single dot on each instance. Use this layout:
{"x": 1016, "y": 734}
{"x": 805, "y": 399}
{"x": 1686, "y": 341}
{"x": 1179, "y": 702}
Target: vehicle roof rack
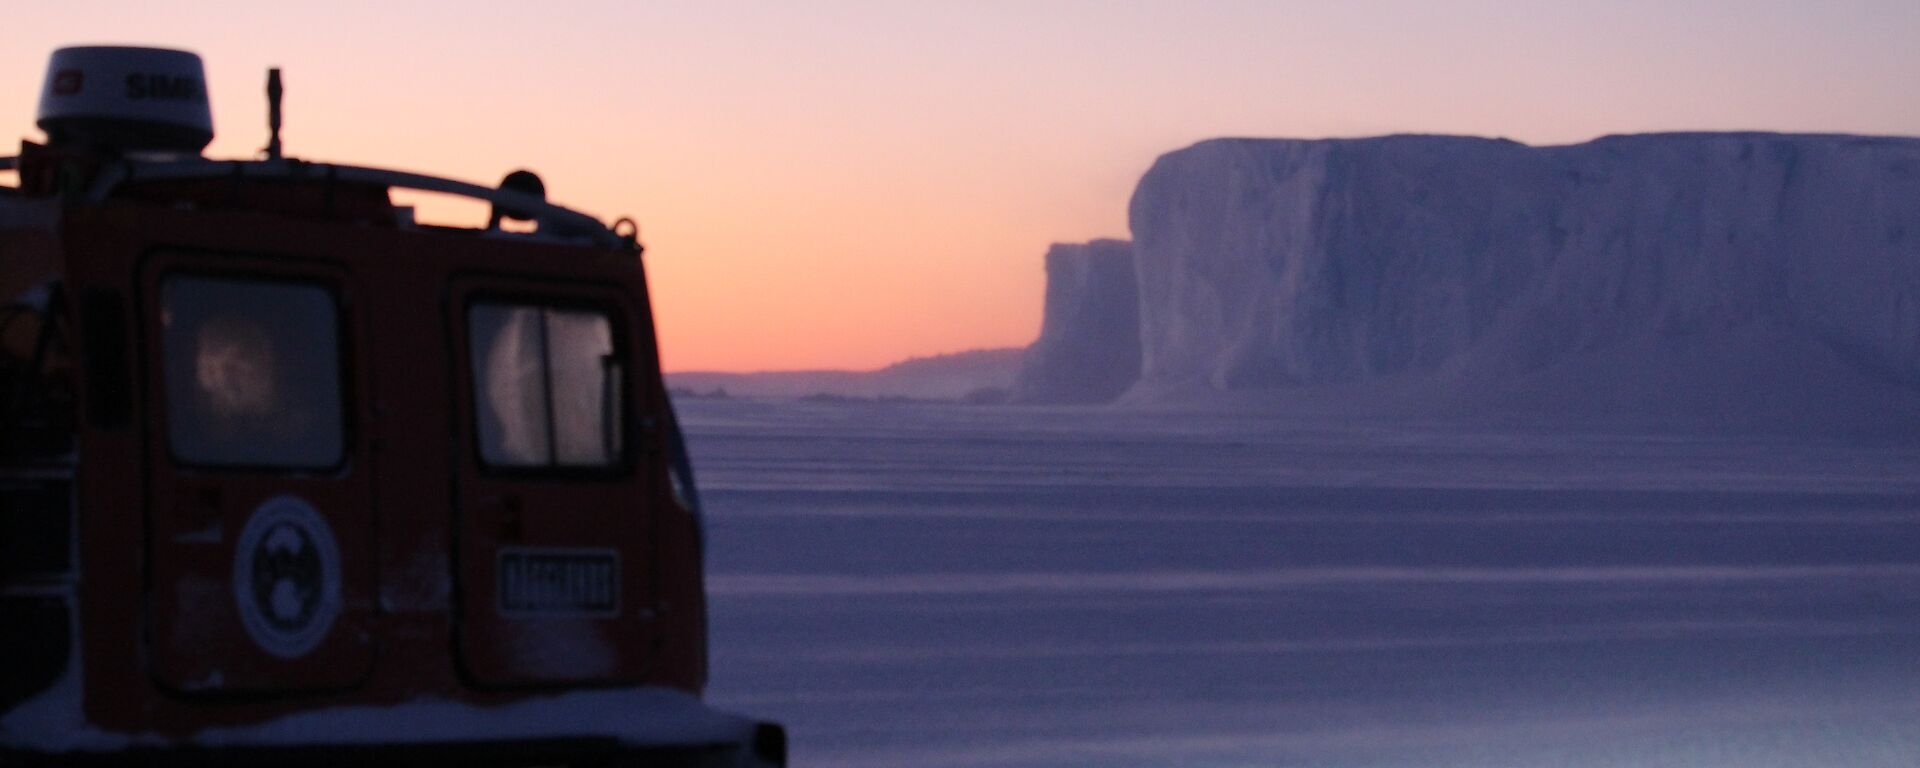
{"x": 554, "y": 220}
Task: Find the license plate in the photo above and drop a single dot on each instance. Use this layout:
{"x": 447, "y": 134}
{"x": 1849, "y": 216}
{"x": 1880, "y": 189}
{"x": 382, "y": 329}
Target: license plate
{"x": 559, "y": 582}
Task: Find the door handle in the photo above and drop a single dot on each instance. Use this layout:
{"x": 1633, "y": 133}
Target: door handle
{"x": 196, "y": 515}
{"x": 198, "y": 504}
{"x": 506, "y": 511}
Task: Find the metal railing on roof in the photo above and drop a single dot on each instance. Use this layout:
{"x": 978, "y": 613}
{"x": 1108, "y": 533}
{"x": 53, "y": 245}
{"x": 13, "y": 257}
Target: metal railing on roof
{"x": 553, "y": 221}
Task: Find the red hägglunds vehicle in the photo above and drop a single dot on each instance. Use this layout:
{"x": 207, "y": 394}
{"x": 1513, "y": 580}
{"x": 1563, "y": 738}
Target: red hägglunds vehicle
{"x": 287, "y": 477}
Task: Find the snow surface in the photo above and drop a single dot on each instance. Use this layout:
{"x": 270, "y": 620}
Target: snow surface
{"x": 640, "y": 716}
{"x": 1472, "y": 272}
{"x": 953, "y": 586}
{"x": 53, "y": 721}
{"x": 635, "y": 716}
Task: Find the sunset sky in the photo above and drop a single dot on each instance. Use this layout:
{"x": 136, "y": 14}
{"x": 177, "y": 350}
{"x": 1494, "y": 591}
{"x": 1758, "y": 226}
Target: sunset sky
{"x": 846, "y": 184}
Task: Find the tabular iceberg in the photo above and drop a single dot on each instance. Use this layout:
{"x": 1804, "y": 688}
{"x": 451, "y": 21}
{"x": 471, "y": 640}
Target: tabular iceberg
{"x": 1089, "y": 345}
{"x": 1633, "y": 273}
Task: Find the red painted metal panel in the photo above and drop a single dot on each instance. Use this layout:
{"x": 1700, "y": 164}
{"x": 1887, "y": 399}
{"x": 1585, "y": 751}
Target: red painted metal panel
{"x": 208, "y": 523}
{"x": 533, "y": 543}
{"x": 409, "y": 508}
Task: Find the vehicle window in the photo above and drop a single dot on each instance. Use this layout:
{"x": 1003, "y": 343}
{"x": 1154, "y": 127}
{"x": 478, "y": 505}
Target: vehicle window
{"x": 252, "y": 372}
{"x": 547, "y": 386}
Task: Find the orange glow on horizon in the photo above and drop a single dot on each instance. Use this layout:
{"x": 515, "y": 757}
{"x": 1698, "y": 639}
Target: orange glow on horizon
{"x": 848, "y": 184}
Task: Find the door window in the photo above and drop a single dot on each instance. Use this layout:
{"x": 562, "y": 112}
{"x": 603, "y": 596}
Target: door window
{"x": 252, "y": 372}
{"x": 547, "y": 385}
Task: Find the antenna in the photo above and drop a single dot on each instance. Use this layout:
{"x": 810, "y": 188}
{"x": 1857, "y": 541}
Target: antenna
{"x": 274, "y": 91}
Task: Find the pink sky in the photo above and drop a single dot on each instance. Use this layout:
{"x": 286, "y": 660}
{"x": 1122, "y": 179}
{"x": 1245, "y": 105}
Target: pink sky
{"x": 845, "y": 184}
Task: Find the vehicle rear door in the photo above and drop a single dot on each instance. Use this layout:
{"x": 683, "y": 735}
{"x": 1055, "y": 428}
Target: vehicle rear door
{"x": 552, "y": 525}
{"x": 260, "y": 573}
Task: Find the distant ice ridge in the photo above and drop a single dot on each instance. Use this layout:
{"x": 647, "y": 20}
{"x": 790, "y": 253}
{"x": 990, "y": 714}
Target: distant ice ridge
{"x": 1675, "y": 272}
{"x": 1089, "y": 345}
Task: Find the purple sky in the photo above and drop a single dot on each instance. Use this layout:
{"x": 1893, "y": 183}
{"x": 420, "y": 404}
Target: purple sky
{"x": 843, "y": 184}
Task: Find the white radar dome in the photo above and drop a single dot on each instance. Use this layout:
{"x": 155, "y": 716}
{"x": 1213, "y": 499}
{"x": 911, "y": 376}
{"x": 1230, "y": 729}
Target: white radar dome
{"x": 126, "y": 98}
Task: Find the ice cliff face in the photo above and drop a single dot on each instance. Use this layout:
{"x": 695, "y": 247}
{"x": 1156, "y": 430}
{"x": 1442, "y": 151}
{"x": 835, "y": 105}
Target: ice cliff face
{"x": 1089, "y": 345}
{"x": 1278, "y": 263}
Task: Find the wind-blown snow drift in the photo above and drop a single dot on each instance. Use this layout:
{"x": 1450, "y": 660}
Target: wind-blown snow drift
{"x": 1683, "y": 271}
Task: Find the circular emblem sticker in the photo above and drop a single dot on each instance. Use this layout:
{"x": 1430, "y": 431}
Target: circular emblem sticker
{"x": 286, "y": 577}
